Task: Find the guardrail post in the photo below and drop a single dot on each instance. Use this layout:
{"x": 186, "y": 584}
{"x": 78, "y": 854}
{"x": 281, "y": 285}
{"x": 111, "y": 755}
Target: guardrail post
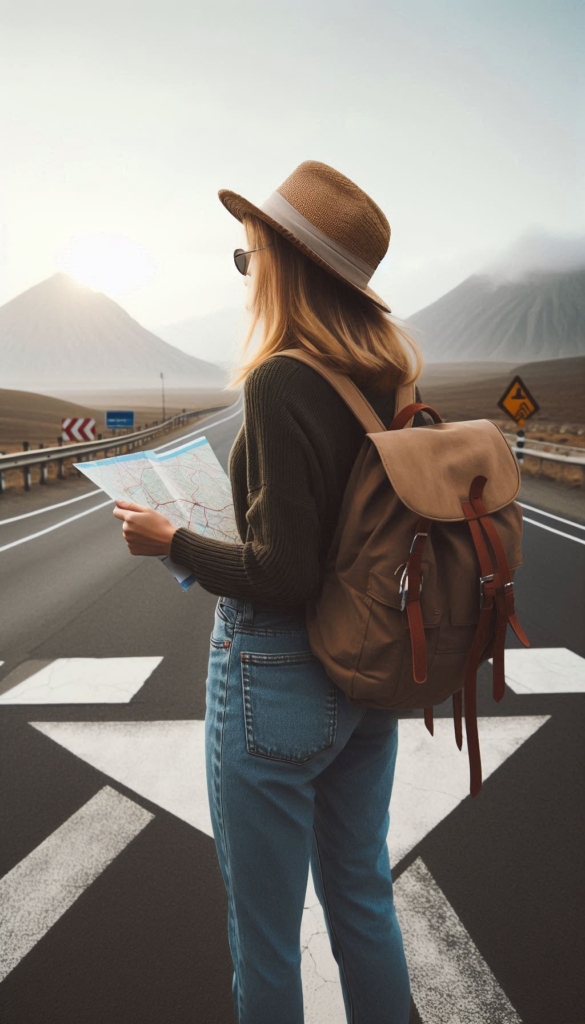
{"x": 60, "y": 466}
{"x": 44, "y": 468}
{"x": 26, "y": 469}
{"x": 520, "y": 445}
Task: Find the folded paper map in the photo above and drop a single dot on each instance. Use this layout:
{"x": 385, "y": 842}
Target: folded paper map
{"x": 186, "y": 485}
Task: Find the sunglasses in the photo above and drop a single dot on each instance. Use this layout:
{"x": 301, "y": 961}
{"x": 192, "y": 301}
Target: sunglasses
{"x": 241, "y": 258}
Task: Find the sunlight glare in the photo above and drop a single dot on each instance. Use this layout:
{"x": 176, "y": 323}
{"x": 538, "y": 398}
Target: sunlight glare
{"x": 108, "y": 263}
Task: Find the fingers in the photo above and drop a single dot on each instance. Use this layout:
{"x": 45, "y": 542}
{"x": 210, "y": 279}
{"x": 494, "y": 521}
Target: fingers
{"x": 132, "y": 506}
{"x": 120, "y": 513}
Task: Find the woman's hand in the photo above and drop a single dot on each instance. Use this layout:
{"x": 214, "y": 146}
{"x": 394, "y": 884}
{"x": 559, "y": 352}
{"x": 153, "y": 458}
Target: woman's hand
{"x": 145, "y": 531}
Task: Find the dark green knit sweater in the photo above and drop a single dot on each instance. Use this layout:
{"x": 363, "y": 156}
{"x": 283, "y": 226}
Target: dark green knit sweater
{"x": 288, "y": 467}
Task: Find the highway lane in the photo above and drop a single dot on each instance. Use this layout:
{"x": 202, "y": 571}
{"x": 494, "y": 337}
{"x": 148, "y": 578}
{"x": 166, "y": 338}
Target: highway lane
{"x": 52, "y": 578}
{"x": 146, "y": 940}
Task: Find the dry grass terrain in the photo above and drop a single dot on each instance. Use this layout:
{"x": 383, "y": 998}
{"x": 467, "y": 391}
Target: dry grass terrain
{"x": 462, "y": 391}
{"x": 27, "y": 416}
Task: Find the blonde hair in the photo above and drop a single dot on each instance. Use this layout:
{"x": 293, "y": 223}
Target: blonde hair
{"x": 298, "y": 304}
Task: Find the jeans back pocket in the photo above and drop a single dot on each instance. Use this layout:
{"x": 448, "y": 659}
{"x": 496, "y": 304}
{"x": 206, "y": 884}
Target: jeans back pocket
{"x": 290, "y": 705}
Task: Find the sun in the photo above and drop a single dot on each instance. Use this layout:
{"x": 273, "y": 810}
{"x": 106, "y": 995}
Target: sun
{"x": 108, "y": 263}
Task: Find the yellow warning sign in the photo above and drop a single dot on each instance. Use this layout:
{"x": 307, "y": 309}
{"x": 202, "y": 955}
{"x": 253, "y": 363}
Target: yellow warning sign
{"x": 518, "y": 402}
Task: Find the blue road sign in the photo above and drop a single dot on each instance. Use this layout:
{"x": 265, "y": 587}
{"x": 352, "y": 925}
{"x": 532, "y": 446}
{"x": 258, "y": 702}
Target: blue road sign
{"x": 117, "y": 420}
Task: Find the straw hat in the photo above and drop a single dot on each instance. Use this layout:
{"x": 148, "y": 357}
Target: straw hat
{"x": 329, "y": 218}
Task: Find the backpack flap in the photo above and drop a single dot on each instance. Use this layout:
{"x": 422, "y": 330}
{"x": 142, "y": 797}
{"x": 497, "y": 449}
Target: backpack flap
{"x": 431, "y": 469}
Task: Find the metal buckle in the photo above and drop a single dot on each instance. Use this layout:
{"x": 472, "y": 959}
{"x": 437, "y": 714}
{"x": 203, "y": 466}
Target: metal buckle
{"x": 414, "y": 539}
{"x": 403, "y": 589}
{"x": 482, "y": 580}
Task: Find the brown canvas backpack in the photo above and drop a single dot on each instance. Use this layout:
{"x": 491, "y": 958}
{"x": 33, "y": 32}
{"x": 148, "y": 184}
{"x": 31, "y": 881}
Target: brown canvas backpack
{"x": 418, "y": 586}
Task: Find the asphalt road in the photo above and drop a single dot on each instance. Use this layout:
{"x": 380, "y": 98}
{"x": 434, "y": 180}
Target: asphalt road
{"x": 132, "y": 927}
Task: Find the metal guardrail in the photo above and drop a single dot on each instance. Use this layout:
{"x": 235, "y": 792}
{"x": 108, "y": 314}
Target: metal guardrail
{"x": 42, "y": 456}
{"x": 573, "y": 460}
{"x": 79, "y": 449}
{"x": 548, "y": 449}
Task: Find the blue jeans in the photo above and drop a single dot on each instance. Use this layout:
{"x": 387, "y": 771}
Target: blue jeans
{"x": 298, "y": 776}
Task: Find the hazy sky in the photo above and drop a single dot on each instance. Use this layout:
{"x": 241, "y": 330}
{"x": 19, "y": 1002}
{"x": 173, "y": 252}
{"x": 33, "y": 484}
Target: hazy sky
{"x": 463, "y": 120}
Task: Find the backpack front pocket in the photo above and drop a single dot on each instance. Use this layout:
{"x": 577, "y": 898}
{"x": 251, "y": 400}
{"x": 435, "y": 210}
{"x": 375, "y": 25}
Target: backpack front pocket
{"x": 290, "y": 706}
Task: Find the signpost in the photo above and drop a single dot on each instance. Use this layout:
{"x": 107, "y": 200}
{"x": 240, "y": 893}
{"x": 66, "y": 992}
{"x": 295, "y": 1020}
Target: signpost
{"x": 117, "y": 420}
{"x": 78, "y": 428}
{"x": 520, "y": 405}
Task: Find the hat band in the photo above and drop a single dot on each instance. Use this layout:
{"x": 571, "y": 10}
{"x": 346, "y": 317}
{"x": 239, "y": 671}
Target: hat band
{"x": 356, "y": 271}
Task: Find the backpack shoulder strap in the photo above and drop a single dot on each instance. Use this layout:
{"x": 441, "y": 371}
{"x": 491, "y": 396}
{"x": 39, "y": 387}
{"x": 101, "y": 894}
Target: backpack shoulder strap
{"x": 405, "y": 395}
{"x": 350, "y": 393}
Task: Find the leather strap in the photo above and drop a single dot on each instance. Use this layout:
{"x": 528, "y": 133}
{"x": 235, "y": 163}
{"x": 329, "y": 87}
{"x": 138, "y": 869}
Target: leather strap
{"x": 416, "y": 627}
{"x": 402, "y": 418}
{"x": 458, "y": 717}
{"x": 349, "y": 391}
{"x": 498, "y": 594}
{"x": 507, "y": 599}
{"x": 489, "y": 584}
{"x": 428, "y": 713}
{"x": 405, "y": 395}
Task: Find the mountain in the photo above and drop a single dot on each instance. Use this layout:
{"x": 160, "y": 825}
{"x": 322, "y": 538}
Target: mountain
{"x": 505, "y": 319}
{"x": 219, "y": 333}
{"x": 60, "y": 335}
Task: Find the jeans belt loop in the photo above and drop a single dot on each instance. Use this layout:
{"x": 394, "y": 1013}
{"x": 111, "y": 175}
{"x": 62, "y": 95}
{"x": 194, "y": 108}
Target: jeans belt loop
{"x": 247, "y": 612}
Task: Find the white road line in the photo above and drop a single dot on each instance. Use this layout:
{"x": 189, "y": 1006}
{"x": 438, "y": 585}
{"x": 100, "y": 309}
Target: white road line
{"x": 450, "y": 980}
{"x": 545, "y": 670}
{"x": 78, "y": 681}
{"x": 569, "y": 522}
{"x": 81, "y": 497}
{"x": 49, "y": 508}
{"x": 194, "y": 433}
{"x": 43, "y": 886}
{"x": 551, "y": 529}
{"x": 32, "y": 536}
{"x": 95, "y": 508}
{"x": 164, "y": 762}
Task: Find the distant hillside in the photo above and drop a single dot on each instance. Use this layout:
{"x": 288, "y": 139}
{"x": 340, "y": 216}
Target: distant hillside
{"x": 26, "y": 416}
{"x": 62, "y": 335}
{"x": 462, "y": 391}
{"x": 214, "y": 334}
{"x": 541, "y": 316}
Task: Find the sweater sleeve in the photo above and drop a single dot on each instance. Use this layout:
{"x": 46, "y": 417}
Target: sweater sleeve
{"x": 279, "y": 561}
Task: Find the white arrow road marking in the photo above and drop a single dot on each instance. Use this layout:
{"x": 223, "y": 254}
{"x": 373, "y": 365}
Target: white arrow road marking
{"x": 165, "y": 763}
{"x": 450, "y": 980}
{"x": 38, "y": 891}
{"x": 545, "y": 670}
{"x": 77, "y": 681}
{"x": 432, "y": 774}
{"x": 161, "y": 761}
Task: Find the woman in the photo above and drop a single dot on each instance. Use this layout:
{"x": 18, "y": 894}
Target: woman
{"x": 296, "y": 774}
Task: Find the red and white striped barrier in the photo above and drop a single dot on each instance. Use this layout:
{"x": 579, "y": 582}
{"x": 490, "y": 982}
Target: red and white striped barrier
{"x": 76, "y": 428}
